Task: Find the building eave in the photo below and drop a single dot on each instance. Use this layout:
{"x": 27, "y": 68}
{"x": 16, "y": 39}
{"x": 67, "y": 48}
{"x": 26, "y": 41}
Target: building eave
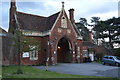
{"x": 35, "y": 33}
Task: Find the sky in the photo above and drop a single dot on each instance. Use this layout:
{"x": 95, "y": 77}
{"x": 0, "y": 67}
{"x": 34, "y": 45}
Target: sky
{"x": 104, "y": 9}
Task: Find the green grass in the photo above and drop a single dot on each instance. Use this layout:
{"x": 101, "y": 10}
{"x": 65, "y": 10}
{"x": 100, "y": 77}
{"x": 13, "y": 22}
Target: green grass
{"x": 31, "y": 72}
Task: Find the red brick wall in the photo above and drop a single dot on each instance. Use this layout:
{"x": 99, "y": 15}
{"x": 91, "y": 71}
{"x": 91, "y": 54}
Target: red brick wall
{"x": 48, "y": 50}
{"x": 79, "y": 42}
{"x": 55, "y": 37}
{"x": 42, "y": 54}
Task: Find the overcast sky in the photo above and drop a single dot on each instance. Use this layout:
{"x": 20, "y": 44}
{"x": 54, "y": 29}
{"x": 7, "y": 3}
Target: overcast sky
{"x": 83, "y": 8}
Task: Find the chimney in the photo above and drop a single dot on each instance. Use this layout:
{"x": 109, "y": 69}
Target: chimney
{"x": 90, "y": 34}
{"x": 11, "y": 15}
{"x": 71, "y": 15}
{"x": 13, "y": 3}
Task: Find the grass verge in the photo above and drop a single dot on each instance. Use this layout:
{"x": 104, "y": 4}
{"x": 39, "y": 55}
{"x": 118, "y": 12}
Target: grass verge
{"x": 31, "y": 72}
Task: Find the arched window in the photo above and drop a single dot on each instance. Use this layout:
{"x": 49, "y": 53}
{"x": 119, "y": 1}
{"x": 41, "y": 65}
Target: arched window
{"x": 63, "y": 22}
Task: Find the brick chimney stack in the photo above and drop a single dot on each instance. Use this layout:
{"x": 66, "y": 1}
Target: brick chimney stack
{"x": 11, "y": 15}
{"x": 71, "y": 15}
{"x": 90, "y": 33}
{"x": 13, "y": 3}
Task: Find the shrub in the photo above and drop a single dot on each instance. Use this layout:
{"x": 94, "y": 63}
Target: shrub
{"x": 99, "y": 56}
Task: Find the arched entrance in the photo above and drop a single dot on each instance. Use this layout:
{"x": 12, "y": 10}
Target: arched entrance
{"x": 63, "y": 51}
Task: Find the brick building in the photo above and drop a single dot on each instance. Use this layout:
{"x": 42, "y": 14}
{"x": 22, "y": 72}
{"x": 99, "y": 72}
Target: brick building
{"x": 59, "y": 38}
{"x": 7, "y": 49}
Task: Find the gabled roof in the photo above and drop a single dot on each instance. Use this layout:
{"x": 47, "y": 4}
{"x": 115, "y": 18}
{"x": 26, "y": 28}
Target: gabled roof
{"x": 2, "y": 31}
{"x": 51, "y": 20}
{"x": 35, "y": 22}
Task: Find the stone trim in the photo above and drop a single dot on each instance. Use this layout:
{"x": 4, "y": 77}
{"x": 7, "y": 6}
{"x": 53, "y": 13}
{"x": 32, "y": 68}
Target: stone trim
{"x": 35, "y": 33}
{"x": 56, "y": 20}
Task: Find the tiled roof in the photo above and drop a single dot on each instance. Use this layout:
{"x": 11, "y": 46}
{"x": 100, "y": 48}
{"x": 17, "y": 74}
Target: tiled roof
{"x": 2, "y": 30}
{"x": 36, "y": 23}
{"x": 51, "y": 20}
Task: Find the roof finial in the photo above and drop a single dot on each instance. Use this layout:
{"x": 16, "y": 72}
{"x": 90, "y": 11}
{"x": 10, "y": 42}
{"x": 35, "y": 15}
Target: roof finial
{"x": 62, "y": 4}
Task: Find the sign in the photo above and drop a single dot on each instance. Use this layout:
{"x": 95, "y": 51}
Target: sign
{"x": 25, "y": 54}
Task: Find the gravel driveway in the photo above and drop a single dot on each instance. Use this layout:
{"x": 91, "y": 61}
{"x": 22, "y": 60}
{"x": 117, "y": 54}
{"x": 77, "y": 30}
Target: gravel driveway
{"x": 91, "y": 69}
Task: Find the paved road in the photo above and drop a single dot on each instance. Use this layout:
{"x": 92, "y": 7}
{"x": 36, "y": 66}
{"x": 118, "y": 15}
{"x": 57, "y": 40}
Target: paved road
{"x": 91, "y": 69}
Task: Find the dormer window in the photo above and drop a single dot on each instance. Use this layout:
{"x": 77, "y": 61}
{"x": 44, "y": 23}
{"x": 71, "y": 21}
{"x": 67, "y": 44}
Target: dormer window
{"x": 63, "y": 22}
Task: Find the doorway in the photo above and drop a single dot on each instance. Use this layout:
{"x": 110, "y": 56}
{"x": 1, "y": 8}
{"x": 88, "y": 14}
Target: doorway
{"x": 63, "y": 51}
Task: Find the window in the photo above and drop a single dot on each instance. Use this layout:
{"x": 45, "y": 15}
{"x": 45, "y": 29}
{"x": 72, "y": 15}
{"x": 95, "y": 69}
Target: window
{"x": 33, "y": 53}
{"x": 106, "y": 57}
{"x": 118, "y": 57}
{"x": 85, "y": 53}
{"x": 110, "y": 57}
{"x": 63, "y": 22}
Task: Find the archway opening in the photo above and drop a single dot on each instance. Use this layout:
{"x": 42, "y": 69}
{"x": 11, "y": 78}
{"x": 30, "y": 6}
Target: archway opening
{"x": 63, "y": 51}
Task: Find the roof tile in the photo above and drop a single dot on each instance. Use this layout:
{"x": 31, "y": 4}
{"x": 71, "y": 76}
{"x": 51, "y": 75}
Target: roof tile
{"x": 35, "y": 22}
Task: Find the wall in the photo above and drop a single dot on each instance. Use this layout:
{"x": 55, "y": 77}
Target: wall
{"x": 42, "y": 54}
{"x": 56, "y": 36}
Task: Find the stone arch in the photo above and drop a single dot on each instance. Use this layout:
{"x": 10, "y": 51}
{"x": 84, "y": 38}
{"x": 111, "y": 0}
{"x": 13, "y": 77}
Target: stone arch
{"x": 64, "y": 52}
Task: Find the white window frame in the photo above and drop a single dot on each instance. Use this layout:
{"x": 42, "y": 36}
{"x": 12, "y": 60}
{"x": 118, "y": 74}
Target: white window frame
{"x": 33, "y": 53}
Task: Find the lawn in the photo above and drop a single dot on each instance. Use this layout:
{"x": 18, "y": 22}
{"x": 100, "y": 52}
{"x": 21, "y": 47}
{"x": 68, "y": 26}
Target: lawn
{"x": 31, "y": 72}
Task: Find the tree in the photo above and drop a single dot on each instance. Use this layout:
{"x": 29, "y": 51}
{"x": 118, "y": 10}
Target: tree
{"x": 99, "y": 28}
{"x": 23, "y": 44}
{"x": 113, "y": 28}
{"x": 83, "y": 21}
{"x": 82, "y": 27}
{"x": 108, "y": 29}
{"x": 95, "y": 21}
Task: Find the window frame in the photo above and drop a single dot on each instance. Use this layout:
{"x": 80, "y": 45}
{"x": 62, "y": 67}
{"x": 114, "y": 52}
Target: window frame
{"x": 33, "y": 54}
{"x": 64, "y": 22}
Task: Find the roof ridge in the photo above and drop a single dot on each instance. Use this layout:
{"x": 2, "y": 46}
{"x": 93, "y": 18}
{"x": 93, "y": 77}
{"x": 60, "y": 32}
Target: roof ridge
{"x": 31, "y": 14}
